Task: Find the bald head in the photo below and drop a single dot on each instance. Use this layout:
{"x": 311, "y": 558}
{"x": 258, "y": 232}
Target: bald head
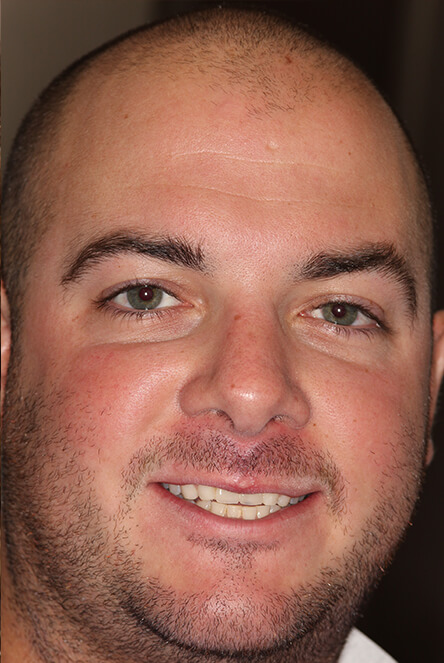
{"x": 273, "y": 66}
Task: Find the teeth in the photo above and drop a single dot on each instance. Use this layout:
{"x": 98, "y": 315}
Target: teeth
{"x": 234, "y": 511}
{"x": 226, "y": 496}
{"x": 189, "y": 491}
{"x": 270, "y": 499}
{"x": 218, "y": 509}
{"x": 262, "y": 511}
{"x": 224, "y": 503}
{"x": 251, "y": 499}
{"x": 248, "y": 512}
{"x": 204, "y": 504}
{"x": 206, "y": 492}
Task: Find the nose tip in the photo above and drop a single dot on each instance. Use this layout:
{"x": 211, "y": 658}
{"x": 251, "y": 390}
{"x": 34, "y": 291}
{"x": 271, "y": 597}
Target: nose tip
{"x": 246, "y": 377}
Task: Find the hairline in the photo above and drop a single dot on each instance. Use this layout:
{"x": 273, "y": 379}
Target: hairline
{"x": 103, "y": 60}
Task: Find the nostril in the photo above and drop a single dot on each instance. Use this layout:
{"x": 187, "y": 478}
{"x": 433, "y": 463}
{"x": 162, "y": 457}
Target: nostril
{"x": 245, "y": 373}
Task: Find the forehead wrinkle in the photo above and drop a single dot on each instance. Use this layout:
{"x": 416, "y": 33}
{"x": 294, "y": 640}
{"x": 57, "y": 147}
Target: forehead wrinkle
{"x": 278, "y": 180}
{"x": 265, "y": 199}
{"x": 235, "y": 157}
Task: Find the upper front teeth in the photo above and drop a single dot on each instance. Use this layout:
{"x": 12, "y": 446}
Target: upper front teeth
{"x": 233, "y": 505}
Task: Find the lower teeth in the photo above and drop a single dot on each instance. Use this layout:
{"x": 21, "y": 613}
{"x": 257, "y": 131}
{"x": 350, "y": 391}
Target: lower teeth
{"x": 238, "y": 511}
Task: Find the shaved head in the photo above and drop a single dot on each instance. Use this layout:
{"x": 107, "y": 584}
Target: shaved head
{"x": 274, "y": 64}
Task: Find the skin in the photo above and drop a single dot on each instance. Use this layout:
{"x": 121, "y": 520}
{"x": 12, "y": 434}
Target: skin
{"x": 240, "y": 384}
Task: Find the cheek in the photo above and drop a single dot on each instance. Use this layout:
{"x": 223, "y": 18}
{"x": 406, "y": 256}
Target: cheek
{"x": 109, "y": 401}
{"x": 130, "y": 387}
{"x": 373, "y": 421}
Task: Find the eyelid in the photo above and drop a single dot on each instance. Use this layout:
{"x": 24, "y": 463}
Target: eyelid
{"x": 105, "y": 300}
{"x": 365, "y": 309}
{"x": 114, "y": 290}
{"x": 360, "y": 312}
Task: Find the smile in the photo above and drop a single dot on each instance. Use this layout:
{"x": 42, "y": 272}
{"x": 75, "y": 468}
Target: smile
{"x": 226, "y": 504}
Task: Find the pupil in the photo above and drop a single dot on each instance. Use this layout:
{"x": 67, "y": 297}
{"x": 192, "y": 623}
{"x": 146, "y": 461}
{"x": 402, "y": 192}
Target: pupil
{"x": 146, "y": 293}
{"x": 339, "y": 310}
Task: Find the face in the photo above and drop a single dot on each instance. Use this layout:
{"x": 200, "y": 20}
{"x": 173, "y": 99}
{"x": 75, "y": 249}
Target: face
{"x": 224, "y": 302}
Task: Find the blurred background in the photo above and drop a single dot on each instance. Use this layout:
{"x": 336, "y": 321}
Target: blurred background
{"x": 400, "y": 44}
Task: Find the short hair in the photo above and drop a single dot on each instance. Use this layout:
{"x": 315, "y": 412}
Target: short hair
{"x": 234, "y": 44}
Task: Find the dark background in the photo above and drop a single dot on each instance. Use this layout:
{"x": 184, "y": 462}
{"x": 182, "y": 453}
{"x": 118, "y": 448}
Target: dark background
{"x": 400, "y": 45}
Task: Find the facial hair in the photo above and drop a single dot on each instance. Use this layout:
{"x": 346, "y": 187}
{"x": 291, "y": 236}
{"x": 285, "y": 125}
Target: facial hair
{"x": 82, "y": 594}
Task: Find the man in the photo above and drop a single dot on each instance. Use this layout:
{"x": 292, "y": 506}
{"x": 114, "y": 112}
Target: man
{"x": 222, "y": 364}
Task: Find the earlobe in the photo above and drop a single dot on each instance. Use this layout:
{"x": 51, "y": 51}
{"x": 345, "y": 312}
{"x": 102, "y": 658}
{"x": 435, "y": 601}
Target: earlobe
{"x": 437, "y": 370}
{"x": 6, "y": 339}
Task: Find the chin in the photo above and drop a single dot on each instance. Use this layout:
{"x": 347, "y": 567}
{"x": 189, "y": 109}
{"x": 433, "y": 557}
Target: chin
{"x": 240, "y": 615}
{"x": 229, "y": 621}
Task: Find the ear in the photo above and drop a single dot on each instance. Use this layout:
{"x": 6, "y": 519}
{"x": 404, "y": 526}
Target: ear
{"x": 437, "y": 371}
{"x": 6, "y": 338}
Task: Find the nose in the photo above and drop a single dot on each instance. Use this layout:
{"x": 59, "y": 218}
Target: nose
{"x": 245, "y": 374}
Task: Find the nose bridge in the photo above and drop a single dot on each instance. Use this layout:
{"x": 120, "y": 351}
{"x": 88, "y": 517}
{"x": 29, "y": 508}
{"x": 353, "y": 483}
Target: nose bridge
{"x": 247, "y": 375}
{"x": 250, "y": 363}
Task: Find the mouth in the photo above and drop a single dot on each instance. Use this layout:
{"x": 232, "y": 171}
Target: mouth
{"x": 227, "y": 504}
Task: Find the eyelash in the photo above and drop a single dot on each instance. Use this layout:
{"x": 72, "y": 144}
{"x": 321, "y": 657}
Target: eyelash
{"x": 103, "y": 304}
{"x": 345, "y": 331}
{"x": 348, "y": 330}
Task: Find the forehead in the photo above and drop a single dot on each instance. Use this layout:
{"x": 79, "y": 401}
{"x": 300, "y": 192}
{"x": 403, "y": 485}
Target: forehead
{"x": 191, "y": 155}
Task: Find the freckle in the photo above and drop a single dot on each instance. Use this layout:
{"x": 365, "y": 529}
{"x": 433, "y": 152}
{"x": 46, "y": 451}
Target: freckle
{"x": 288, "y": 59}
{"x": 125, "y": 117}
{"x": 237, "y": 316}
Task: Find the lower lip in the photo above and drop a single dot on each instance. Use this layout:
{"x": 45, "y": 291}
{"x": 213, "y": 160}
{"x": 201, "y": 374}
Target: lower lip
{"x": 193, "y": 517}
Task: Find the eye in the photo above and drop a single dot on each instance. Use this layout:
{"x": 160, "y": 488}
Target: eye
{"x": 345, "y": 315}
{"x": 144, "y": 298}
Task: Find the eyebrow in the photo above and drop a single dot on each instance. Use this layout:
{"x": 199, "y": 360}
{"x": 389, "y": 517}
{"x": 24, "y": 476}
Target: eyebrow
{"x": 376, "y": 257}
{"x": 175, "y": 250}
{"x": 380, "y": 257}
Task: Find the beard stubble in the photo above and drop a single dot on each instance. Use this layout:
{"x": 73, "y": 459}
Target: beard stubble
{"x": 83, "y": 595}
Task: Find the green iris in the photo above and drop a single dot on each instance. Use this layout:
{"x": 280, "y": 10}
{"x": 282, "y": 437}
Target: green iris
{"x": 340, "y": 313}
{"x": 145, "y": 297}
